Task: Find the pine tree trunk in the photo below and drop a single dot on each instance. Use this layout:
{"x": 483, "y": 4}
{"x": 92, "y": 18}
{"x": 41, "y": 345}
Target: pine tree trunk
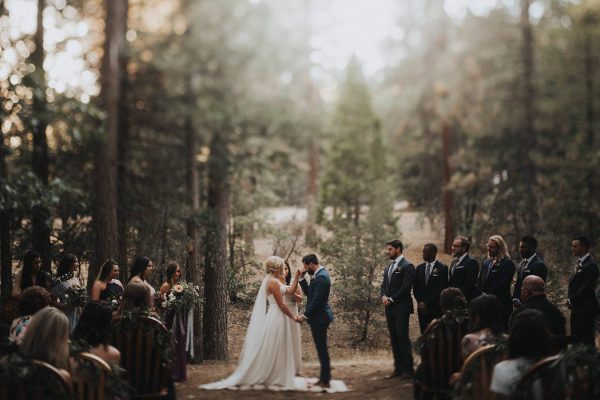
{"x": 529, "y": 133}
{"x": 105, "y": 171}
{"x": 590, "y": 129}
{"x": 215, "y": 271}
{"x": 5, "y": 234}
{"x": 40, "y": 219}
{"x": 122, "y": 178}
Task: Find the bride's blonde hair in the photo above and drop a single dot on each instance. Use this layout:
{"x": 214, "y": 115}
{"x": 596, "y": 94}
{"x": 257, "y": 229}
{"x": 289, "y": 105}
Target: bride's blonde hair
{"x": 274, "y": 264}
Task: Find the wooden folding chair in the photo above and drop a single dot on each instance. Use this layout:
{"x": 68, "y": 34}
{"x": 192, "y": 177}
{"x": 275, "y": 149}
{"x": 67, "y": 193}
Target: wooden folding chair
{"x": 33, "y": 380}
{"x": 476, "y": 373}
{"x": 144, "y": 346}
{"x": 440, "y": 358}
{"x": 91, "y": 377}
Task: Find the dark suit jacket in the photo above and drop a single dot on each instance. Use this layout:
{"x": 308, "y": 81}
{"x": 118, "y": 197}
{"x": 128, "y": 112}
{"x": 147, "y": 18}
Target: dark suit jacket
{"x": 497, "y": 280}
{"x": 464, "y": 277}
{"x": 429, "y": 293}
{"x": 556, "y": 319}
{"x": 535, "y": 267}
{"x": 399, "y": 286}
{"x": 317, "y": 309}
{"x": 581, "y": 288}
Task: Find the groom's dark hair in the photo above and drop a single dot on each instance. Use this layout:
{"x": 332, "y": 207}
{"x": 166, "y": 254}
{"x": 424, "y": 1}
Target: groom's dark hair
{"x": 396, "y": 244}
{"x": 310, "y": 259}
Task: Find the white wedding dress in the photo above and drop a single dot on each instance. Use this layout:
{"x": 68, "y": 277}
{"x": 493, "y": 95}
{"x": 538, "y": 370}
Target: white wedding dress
{"x": 271, "y": 355}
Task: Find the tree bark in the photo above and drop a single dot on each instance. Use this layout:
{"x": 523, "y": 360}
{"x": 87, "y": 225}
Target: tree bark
{"x": 122, "y": 176}
{"x": 590, "y": 128}
{"x": 5, "y": 233}
{"x": 40, "y": 218}
{"x": 194, "y": 273}
{"x": 105, "y": 171}
{"x": 530, "y": 216}
{"x": 215, "y": 271}
{"x": 447, "y": 191}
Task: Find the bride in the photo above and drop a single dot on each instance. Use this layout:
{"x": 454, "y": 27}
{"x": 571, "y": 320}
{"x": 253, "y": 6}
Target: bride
{"x": 269, "y": 357}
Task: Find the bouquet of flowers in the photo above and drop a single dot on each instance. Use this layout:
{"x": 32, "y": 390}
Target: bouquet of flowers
{"x": 182, "y": 297}
{"x": 76, "y": 297}
{"x": 115, "y": 300}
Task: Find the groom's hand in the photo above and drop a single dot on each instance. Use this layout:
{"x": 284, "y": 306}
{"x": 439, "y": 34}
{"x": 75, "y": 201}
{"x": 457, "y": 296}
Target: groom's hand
{"x": 299, "y": 319}
{"x": 302, "y": 270}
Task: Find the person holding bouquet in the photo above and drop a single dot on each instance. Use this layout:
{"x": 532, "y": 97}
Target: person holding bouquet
{"x": 67, "y": 289}
{"x": 179, "y": 299}
{"x": 107, "y": 286}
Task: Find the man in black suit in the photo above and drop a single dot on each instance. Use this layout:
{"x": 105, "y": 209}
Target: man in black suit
{"x": 317, "y": 312}
{"x": 464, "y": 269}
{"x": 398, "y": 279}
{"x": 582, "y": 299}
{"x": 530, "y": 264}
{"x": 533, "y": 296}
{"x": 431, "y": 279}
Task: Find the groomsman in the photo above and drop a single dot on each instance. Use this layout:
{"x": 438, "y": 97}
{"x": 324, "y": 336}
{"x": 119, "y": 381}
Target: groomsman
{"x": 530, "y": 264}
{"x": 464, "y": 269}
{"x": 582, "y": 299}
{"x": 497, "y": 273}
{"x": 431, "y": 279}
{"x": 398, "y": 279}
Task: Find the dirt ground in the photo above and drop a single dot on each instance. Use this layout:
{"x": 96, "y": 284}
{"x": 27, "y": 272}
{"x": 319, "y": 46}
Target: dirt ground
{"x": 365, "y": 378}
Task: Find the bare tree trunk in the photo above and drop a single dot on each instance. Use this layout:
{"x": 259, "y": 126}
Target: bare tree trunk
{"x": 590, "y": 129}
{"x": 122, "y": 178}
{"x": 447, "y": 191}
{"x": 215, "y": 272}
{"x": 530, "y": 138}
{"x": 5, "y": 233}
{"x": 192, "y": 265}
{"x": 105, "y": 171}
{"x": 40, "y": 218}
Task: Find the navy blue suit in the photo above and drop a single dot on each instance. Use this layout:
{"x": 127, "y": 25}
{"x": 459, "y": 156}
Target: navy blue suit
{"x": 397, "y": 314}
{"x": 319, "y": 316}
{"x": 584, "y": 306}
{"x": 496, "y": 279}
{"x": 535, "y": 267}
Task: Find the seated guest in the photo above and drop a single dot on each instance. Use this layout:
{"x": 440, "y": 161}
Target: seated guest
{"x": 451, "y": 300}
{"x": 137, "y": 299}
{"x": 31, "y": 274}
{"x": 528, "y": 342}
{"x": 486, "y": 323}
{"x": 107, "y": 285}
{"x": 94, "y": 329}
{"x": 31, "y": 300}
{"x": 533, "y": 296}
{"x": 47, "y": 339}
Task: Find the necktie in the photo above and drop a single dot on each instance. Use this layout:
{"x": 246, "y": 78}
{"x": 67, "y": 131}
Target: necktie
{"x": 391, "y": 270}
{"x": 522, "y": 266}
{"x": 427, "y": 272}
{"x": 453, "y": 266}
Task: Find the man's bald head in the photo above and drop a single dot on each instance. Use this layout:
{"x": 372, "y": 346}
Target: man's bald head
{"x": 532, "y": 286}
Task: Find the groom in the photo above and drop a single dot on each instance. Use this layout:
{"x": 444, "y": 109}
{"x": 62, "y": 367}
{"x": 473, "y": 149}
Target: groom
{"x": 317, "y": 311}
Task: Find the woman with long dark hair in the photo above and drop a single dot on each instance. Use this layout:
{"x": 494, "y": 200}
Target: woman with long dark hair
{"x": 94, "y": 329}
{"x": 31, "y": 274}
{"x": 107, "y": 285}
{"x": 141, "y": 270}
{"x": 67, "y": 279}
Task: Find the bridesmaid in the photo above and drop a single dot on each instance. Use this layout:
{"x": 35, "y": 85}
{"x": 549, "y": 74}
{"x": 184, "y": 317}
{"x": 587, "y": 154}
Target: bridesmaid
{"x": 292, "y": 300}
{"x": 107, "y": 285}
{"x": 67, "y": 277}
{"x": 140, "y": 272}
{"x": 32, "y": 274}
{"x": 177, "y": 321}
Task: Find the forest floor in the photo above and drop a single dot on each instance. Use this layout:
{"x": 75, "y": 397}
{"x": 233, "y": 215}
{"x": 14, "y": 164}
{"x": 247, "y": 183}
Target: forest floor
{"x": 362, "y": 369}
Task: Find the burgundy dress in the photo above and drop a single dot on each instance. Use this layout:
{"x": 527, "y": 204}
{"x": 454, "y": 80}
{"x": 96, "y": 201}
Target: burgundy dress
{"x": 177, "y": 323}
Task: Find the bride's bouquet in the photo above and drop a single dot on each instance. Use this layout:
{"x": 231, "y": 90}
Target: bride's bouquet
{"x": 182, "y": 297}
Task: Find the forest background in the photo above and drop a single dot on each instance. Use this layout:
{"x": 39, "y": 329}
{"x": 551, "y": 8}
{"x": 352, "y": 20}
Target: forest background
{"x": 186, "y": 120}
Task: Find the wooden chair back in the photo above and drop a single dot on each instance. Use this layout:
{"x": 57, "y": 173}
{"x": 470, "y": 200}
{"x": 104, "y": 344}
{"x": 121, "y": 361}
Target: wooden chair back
{"x": 476, "y": 373}
{"x": 556, "y": 378}
{"x": 90, "y": 379}
{"x": 144, "y": 355}
{"x": 36, "y": 380}
{"x": 440, "y": 358}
